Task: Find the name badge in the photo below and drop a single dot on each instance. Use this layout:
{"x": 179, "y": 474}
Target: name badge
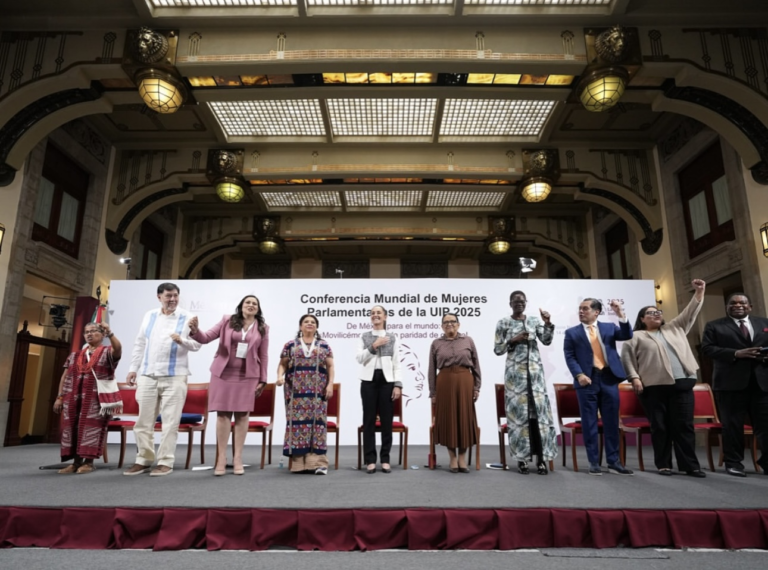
{"x": 242, "y": 349}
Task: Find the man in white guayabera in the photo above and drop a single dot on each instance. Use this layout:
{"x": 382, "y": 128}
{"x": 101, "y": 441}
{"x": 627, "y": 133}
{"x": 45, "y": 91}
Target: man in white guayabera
{"x": 160, "y": 358}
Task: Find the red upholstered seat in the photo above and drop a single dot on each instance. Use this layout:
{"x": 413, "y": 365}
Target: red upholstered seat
{"x": 121, "y": 425}
{"x": 567, "y": 404}
{"x": 632, "y": 419}
{"x": 263, "y": 407}
{"x": 330, "y": 424}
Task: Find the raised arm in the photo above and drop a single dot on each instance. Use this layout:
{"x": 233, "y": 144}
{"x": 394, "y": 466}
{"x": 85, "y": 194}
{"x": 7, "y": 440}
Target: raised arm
{"x": 686, "y": 319}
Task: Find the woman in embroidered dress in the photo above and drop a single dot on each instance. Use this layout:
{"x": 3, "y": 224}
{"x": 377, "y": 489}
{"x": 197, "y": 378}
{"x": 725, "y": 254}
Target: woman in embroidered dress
{"x": 379, "y": 359}
{"x": 306, "y": 369}
{"x": 238, "y": 375}
{"x": 529, "y": 414}
{"x": 88, "y": 396}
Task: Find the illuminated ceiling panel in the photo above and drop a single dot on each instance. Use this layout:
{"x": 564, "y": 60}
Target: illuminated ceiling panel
{"x": 382, "y": 117}
{"x": 494, "y": 117}
{"x": 220, "y": 3}
{"x": 347, "y": 3}
{"x": 286, "y": 182}
{"x": 301, "y": 117}
{"x": 297, "y": 199}
{"x": 388, "y": 199}
{"x": 457, "y": 200}
{"x": 545, "y": 3}
{"x": 378, "y": 78}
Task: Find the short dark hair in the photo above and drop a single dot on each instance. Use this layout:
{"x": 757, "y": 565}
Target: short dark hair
{"x": 167, "y": 287}
{"x": 451, "y": 314}
{"x": 594, "y": 304}
{"x": 732, "y": 295}
{"x": 513, "y": 293}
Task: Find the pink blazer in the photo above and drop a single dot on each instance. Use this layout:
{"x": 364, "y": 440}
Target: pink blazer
{"x": 256, "y": 358}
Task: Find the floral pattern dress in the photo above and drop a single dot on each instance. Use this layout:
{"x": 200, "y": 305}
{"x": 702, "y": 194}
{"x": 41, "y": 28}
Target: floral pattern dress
{"x": 523, "y": 380}
{"x": 306, "y": 379}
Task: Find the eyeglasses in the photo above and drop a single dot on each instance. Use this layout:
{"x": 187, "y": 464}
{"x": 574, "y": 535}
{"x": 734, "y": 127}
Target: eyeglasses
{"x": 653, "y": 313}
{"x": 450, "y": 323}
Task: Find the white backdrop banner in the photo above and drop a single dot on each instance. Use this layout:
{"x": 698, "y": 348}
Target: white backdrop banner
{"x": 415, "y": 309}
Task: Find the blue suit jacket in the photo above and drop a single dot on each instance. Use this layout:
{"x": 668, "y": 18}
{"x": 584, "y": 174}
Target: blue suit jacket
{"x": 578, "y": 351}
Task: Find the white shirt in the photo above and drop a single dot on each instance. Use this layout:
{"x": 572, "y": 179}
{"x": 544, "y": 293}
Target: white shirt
{"x": 747, "y": 324}
{"x": 155, "y": 353}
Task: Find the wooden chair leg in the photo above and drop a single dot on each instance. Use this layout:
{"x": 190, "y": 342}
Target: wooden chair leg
{"x": 202, "y": 447}
{"x": 400, "y": 454}
{"x": 573, "y": 452}
{"x": 432, "y": 458}
{"x": 622, "y": 447}
{"x": 337, "y": 451}
{"x": 503, "y": 452}
{"x": 270, "y": 448}
{"x": 189, "y": 449}
{"x": 123, "y": 435}
{"x": 551, "y": 465}
{"x": 562, "y": 440}
{"x": 263, "y": 447}
{"x": 753, "y": 449}
{"x": 104, "y": 455}
{"x": 477, "y": 455}
{"x": 600, "y": 448}
{"x": 640, "y": 451}
{"x": 359, "y": 450}
{"x": 710, "y": 459}
{"x": 405, "y": 449}
{"x": 720, "y": 445}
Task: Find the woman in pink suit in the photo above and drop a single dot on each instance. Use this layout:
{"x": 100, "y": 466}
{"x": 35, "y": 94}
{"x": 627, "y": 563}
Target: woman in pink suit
{"x": 238, "y": 375}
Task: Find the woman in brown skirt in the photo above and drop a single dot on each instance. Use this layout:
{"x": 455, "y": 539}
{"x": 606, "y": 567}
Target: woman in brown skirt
{"x": 454, "y": 391}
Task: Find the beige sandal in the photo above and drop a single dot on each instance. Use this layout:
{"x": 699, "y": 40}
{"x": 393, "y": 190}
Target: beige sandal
{"x": 69, "y": 469}
{"x": 85, "y": 468}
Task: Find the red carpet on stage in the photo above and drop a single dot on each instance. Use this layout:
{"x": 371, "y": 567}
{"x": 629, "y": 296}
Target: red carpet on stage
{"x": 375, "y": 529}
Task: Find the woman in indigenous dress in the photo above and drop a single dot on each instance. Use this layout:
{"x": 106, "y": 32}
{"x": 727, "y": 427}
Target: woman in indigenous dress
{"x": 662, "y": 368}
{"x": 454, "y": 391}
{"x": 529, "y": 414}
{"x": 379, "y": 359}
{"x": 88, "y": 396}
{"x": 238, "y": 375}
{"x": 306, "y": 368}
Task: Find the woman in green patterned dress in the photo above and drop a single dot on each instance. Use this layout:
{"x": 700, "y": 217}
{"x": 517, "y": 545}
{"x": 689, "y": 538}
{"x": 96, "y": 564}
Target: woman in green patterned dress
{"x": 529, "y": 415}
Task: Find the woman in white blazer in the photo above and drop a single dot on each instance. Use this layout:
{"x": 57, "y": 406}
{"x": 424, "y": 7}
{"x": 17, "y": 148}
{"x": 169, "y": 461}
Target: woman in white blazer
{"x": 379, "y": 358}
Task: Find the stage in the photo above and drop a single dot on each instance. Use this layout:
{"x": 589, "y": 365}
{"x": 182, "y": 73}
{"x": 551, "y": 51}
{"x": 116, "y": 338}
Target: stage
{"x": 349, "y": 510}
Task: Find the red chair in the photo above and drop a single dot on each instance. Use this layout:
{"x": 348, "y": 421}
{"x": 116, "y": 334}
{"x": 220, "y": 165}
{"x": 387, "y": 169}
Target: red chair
{"x": 122, "y": 425}
{"x": 197, "y": 404}
{"x": 334, "y": 410}
{"x": 704, "y": 409}
{"x": 503, "y": 429}
{"x": 263, "y": 407}
{"x": 568, "y": 407}
{"x": 433, "y": 456}
{"x": 397, "y": 427}
{"x": 632, "y": 419}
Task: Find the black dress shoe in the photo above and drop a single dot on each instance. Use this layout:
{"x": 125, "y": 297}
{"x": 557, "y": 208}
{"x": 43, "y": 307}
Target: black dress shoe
{"x": 696, "y": 473}
{"x": 665, "y": 472}
{"x": 463, "y": 470}
{"x": 371, "y": 471}
{"x": 454, "y": 469}
{"x": 619, "y": 469}
{"x": 386, "y": 470}
{"x": 735, "y": 472}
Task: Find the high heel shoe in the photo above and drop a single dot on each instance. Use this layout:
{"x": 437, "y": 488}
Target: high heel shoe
{"x": 238, "y": 468}
{"x": 522, "y": 467}
{"x": 370, "y": 470}
{"x": 220, "y": 472}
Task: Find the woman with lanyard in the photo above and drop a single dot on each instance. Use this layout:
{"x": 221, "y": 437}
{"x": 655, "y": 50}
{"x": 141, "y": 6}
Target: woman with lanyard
{"x": 238, "y": 375}
{"x": 306, "y": 369}
{"x": 529, "y": 414}
{"x": 88, "y": 396}
{"x": 379, "y": 359}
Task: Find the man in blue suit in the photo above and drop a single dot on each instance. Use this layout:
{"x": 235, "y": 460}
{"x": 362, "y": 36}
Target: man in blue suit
{"x": 590, "y": 353}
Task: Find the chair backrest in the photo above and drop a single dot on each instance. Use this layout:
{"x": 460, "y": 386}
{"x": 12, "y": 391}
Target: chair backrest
{"x": 264, "y": 405}
{"x": 629, "y": 404}
{"x": 397, "y": 410}
{"x": 501, "y": 409}
{"x": 128, "y": 397}
{"x": 197, "y": 400}
{"x": 567, "y": 402}
{"x": 704, "y": 403}
{"x": 334, "y": 404}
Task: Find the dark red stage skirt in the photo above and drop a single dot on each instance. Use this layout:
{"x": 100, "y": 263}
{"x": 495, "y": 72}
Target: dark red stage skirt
{"x": 375, "y": 529}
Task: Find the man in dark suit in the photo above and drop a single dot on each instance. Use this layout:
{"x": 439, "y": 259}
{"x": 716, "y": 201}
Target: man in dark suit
{"x": 590, "y": 353}
{"x": 740, "y": 379}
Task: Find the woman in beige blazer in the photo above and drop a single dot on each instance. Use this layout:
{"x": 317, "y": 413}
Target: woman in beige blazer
{"x": 662, "y": 368}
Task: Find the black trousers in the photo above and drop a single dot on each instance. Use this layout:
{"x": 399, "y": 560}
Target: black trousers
{"x": 670, "y": 412}
{"x": 736, "y": 408}
{"x": 377, "y": 401}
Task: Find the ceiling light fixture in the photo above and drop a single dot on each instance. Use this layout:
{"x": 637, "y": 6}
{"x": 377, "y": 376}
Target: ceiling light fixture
{"x": 614, "y": 57}
{"x": 224, "y": 171}
{"x": 500, "y": 235}
{"x": 266, "y": 232}
{"x": 230, "y": 190}
{"x": 149, "y": 59}
{"x": 541, "y": 169}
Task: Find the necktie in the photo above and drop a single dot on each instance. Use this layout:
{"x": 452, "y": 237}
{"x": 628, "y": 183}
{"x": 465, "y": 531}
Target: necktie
{"x": 598, "y": 360}
{"x": 744, "y": 330}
